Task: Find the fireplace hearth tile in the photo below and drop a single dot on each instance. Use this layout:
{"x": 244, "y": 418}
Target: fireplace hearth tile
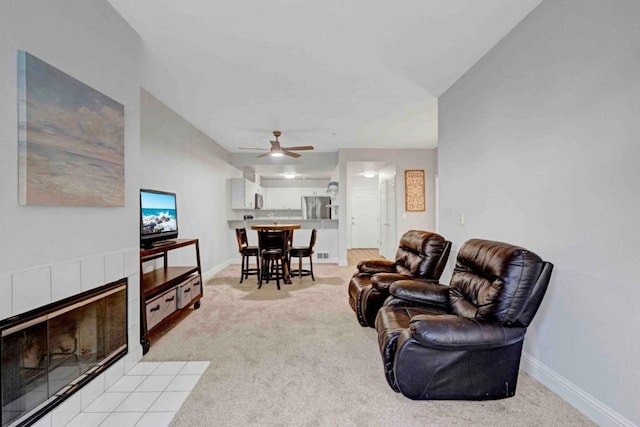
{"x": 134, "y": 310}
{"x": 131, "y": 262}
{"x": 65, "y": 280}
{"x": 87, "y": 419}
{"x": 114, "y": 267}
{"x": 169, "y": 368}
{"x": 113, "y": 374}
{"x": 91, "y": 391}
{"x": 31, "y": 289}
{"x": 195, "y": 368}
{"x": 92, "y": 272}
{"x": 144, "y": 368}
{"x": 155, "y": 419}
{"x": 123, "y": 419}
{"x": 169, "y": 401}
{"x": 128, "y": 383}
{"x": 66, "y": 411}
{"x": 107, "y": 402}
{"x": 138, "y": 401}
{"x": 134, "y": 292}
{"x": 125, "y": 408}
{"x": 183, "y": 383}
{"x": 155, "y": 383}
{"x": 135, "y": 351}
{"x": 5, "y": 297}
{"x": 134, "y": 337}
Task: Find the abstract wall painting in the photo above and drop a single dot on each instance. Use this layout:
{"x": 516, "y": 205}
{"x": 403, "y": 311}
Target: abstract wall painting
{"x": 70, "y": 140}
{"x": 414, "y": 197}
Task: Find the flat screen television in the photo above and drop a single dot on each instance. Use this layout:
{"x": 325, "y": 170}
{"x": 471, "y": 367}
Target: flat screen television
{"x": 158, "y": 217}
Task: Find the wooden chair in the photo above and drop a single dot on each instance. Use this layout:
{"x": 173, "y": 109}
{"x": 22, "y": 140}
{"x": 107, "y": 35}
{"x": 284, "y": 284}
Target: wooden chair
{"x": 247, "y": 251}
{"x": 304, "y": 252}
{"x": 273, "y": 255}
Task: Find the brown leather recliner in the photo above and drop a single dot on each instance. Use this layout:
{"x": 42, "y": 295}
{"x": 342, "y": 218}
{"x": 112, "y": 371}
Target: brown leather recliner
{"x": 463, "y": 341}
{"x": 421, "y": 255}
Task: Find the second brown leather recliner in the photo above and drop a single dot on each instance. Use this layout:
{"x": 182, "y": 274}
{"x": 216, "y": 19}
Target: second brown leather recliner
{"x": 420, "y": 255}
{"x": 463, "y": 341}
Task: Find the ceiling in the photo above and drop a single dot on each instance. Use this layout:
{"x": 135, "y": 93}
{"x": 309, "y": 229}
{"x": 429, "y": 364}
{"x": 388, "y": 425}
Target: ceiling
{"x": 332, "y": 74}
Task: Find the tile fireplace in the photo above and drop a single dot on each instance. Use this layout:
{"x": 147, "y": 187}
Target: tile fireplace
{"x": 51, "y": 352}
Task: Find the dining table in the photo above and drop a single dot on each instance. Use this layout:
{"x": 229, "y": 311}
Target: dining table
{"x": 280, "y": 227}
{"x": 277, "y": 226}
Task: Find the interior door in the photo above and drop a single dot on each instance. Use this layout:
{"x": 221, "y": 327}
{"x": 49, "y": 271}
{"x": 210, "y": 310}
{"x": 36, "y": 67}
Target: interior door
{"x": 364, "y": 217}
{"x": 388, "y": 242}
{"x": 383, "y": 218}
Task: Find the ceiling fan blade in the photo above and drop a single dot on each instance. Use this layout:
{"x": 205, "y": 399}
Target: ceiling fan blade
{"x": 250, "y": 148}
{"x": 263, "y": 155}
{"x": 299, "y": 148}
{"x": 290, "y": 154}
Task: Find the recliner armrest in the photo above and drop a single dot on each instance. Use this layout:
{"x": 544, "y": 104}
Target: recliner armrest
{"x": 382, "y": 281}
{"x": 421, "y": 291}
{"x": 451, "y": 332}
{"x": 374, "y": 266}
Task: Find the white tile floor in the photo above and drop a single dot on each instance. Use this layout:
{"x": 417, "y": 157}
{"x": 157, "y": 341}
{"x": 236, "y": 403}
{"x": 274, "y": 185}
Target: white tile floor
{"x": 149, "y": 395}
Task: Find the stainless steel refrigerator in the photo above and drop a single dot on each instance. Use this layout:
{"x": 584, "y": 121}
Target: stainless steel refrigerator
{"x": 314, "y": 207}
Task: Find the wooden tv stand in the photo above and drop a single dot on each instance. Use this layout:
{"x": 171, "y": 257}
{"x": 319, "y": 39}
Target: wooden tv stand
{"x": 167, "y": 291}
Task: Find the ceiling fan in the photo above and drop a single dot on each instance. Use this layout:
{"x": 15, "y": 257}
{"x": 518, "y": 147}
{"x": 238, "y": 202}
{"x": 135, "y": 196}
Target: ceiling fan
{"x": 277, "y": 150}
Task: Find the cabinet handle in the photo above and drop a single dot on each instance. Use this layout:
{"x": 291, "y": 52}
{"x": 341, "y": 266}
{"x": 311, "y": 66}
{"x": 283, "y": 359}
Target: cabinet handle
{"x": 156, "y": 308}
{"x": 187, "y": 290}
{"x": 170, "y": 299}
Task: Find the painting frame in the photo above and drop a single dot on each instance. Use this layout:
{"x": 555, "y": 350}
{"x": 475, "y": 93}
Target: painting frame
{"x": 71, "y": 149}
{"x": 414, "y": 190}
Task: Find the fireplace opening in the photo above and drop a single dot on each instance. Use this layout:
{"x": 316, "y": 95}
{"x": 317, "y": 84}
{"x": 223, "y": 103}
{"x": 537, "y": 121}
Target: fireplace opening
{"x": 51, "y": 352}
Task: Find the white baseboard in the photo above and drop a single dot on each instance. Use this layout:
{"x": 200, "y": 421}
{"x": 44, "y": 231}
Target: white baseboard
{"x": 206, "y": 275}
{"x": 600, "y": 413}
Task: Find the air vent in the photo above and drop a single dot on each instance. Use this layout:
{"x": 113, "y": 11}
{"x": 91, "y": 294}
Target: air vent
{"x": 323, "y": 255}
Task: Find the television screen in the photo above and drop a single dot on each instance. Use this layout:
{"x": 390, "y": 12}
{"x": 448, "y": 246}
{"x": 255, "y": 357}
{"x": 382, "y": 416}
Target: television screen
{"x": 158, "y": 216}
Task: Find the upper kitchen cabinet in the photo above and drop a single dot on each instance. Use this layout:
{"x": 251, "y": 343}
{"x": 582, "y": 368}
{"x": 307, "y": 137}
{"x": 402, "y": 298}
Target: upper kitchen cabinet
{"x": 243, "y": 193}
{"x": 314, "y": 191}
{"x": 283, "y": 198}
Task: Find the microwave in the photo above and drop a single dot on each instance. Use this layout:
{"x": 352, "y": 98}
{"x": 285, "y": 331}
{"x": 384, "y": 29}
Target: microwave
{"x": 259, "y": 203}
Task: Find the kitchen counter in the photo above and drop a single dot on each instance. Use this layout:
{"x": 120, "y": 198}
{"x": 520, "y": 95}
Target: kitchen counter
{"x": 319, "y": 224}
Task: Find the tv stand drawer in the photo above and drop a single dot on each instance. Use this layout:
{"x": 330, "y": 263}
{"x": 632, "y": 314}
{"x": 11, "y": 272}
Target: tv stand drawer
{"x": 188, "y": 290}
{"x": 161, "y": 307}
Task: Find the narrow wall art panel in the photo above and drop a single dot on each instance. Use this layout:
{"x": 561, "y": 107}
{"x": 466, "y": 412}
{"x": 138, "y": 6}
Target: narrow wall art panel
{"x": 70, "y": 140}
{"x": 414, "y": 197}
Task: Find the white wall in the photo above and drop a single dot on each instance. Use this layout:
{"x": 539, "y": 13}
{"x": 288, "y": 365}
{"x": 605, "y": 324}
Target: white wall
{"x": 90, "y": 42}
{"x": 178, "y": 157}
{"x": 51, "y": 252}
{"x": 539, "y": 147}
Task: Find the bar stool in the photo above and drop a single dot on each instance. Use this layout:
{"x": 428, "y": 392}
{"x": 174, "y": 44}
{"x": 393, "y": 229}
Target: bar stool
{"x": 247, "y": 251}
{"x": 303, "y": 252}
{"x": 273, "y": 255}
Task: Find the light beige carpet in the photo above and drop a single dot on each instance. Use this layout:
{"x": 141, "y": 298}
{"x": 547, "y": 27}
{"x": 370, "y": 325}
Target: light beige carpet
{"x": 298, "y": 357}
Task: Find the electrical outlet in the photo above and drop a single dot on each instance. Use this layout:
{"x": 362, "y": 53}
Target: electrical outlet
{"x": 461, "y": 219}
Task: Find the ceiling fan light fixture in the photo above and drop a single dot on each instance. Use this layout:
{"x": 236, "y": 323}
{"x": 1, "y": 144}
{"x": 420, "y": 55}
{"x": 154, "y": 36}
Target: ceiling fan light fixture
{"x": 369, "y": 174}
{"x": 289, "y": 175}
{"x": 277, "y": 154}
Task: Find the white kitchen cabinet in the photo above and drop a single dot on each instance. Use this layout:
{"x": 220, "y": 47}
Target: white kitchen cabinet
{"x": 243, "y": 193}
{"x": 314, "y": 191}
{"x": 283, "y": 198}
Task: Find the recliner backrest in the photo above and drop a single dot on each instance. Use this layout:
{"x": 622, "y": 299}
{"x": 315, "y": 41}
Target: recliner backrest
{"x": 495, "y": 280}
{"x": 422, "y": 254}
